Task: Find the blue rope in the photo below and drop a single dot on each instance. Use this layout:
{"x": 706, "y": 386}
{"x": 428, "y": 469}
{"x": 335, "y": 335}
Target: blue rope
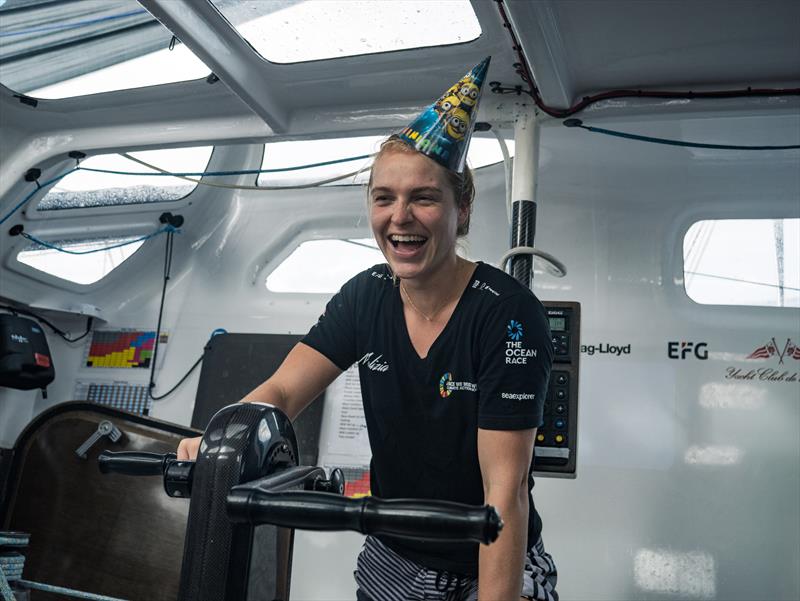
{"x": 619, "y": 134}
{"x": 166, "y": 228}
{"x": 239, "y": 172}
{"x": 11, "y": 571}
{"x": 184, "y": 174}
{"x": 60, "y": 590}
{"x": 66, "y": 26}
{"x": 38, "y": 187}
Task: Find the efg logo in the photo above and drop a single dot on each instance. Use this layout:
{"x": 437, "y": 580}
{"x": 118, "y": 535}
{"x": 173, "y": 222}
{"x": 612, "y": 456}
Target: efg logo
{"x": 514, "y": 330}
{"x": 680, "y": 350}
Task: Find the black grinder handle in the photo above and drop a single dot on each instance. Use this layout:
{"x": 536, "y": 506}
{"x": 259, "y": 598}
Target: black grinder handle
{"x": 443, "y": 521}
{"x": 134, "y": 463}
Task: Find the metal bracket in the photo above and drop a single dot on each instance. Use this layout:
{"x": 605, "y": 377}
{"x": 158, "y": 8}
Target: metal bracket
{"x": 106, "y": 428}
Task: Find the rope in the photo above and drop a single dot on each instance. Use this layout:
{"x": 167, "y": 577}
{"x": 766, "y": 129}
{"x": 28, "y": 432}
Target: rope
{"x": 185, "y": 176}
{"x": 652, "y": 140}
{"x": 12, "y": 564}
{"x": 166, "y": 229}
{"x": 30, "y": 195}
{"x": 248, "y": 172}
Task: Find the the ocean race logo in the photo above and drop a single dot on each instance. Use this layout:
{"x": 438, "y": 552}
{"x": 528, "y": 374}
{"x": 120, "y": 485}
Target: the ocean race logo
{"x": 447, "y": 386}
{"x": 516, "y": 354}
{"x": 514, "y": 330}
{"x": 770, "y": 351}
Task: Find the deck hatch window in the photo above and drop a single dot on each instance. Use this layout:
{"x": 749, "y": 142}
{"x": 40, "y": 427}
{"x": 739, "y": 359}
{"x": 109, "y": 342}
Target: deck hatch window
{"x": 85, "y": 189}
{"x": 66, "y": 49}
{"x": 291, "y": 31}
{"x": 322, "y": 266}
{"x": 743, "y": 262}
{"x": 281, "y": 155}
{"x": 80, "y": 269}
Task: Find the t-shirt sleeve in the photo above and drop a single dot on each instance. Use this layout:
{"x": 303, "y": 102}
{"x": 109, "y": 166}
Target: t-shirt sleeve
{"x": 514, "y": 368}
{"x": 334, "y": 335}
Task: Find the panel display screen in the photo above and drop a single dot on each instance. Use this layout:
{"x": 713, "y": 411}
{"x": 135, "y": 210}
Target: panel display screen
{"x": 557, "y": 323}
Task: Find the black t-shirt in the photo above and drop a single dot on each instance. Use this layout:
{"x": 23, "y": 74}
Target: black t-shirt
{"x": 488, "y": 369}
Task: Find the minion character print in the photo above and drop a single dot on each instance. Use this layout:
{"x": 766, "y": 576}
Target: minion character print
{"x": 443, "y": 130}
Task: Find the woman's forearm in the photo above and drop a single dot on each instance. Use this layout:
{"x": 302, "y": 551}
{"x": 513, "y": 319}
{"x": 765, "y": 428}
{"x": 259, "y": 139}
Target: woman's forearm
{"x": 501, "y": 563}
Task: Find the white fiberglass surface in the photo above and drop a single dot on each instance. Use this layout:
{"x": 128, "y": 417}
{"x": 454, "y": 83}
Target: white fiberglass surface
{"x": 282, "y": 155}
{"x": 743, "y": 262}
{"x": 289, "y": 31}
{"x": 81, "y": 268}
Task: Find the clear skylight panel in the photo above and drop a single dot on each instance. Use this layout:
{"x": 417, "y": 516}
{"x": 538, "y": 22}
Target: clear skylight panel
{"x": 85, "y": 189}
{"x": 290, "y": 31}
{"x": 98, "y": 261}
{"x": 282, "y": 155}
{"x": 743, "y": 262}
{"x": 65, "y": 49}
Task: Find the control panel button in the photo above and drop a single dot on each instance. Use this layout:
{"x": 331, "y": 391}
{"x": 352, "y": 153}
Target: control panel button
{"x": 540, "y": 437}
{"x": 560, "y": 423}
{"x": 560, "y": 439}
{"x": 561, "y": 378}
{"x": 561, "y": 409}
{"x": 561, "y": 394}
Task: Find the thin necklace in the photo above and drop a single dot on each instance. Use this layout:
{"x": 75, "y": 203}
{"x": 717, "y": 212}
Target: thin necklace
{"x": 417, "y": 309}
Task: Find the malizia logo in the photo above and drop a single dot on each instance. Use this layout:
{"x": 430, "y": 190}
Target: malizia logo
{"x": 514, "y": 330}
{"x": 770, "y": 349}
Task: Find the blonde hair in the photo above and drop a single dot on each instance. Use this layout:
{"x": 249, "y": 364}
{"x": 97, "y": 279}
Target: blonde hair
{"x": 462, "y": 184}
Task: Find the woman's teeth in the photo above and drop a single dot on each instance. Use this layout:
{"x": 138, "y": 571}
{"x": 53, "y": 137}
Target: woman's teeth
{"x": 410, "y": 239}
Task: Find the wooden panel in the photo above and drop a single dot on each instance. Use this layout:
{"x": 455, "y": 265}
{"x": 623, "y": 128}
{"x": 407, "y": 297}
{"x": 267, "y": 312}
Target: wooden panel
{"x": 106, "y": 534}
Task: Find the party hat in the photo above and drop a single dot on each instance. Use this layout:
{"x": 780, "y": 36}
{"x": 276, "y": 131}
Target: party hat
{"x": 443, "y": 130}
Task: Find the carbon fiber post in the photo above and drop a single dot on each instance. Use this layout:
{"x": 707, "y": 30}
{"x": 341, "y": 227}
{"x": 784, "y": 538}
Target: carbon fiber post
{"x": 243, "y": 442}
{"x": 523, "y": 232}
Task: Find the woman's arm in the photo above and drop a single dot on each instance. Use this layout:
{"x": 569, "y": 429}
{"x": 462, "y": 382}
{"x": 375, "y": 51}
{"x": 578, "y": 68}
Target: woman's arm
{"x": 302, "y": 376}
{"x": 505, "y": 458}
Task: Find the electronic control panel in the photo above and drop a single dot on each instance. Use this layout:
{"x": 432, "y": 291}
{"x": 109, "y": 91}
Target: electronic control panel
{"x": 555, "y": 453}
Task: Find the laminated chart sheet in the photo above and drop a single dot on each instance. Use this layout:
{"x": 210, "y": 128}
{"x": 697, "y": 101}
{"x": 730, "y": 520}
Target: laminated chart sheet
{"x": 343, "y": 440}
{"x": 123, "y": 349}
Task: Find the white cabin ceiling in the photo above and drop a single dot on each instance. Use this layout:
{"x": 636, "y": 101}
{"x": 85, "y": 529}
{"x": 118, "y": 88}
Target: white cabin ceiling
{"x": 574, "y": 48}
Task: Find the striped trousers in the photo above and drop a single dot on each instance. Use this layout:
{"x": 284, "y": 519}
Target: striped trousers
{"x": 384, "y": 575}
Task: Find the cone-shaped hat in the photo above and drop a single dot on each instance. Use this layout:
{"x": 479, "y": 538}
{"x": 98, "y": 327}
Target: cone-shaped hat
{"x": 443, "y": 130}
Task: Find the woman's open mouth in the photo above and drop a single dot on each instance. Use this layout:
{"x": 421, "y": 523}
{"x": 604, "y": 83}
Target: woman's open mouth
{"x": 407, "y": 243}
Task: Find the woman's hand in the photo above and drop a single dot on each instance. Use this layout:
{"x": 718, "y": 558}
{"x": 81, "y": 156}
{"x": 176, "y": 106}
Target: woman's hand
{"x": 188, "y": 447}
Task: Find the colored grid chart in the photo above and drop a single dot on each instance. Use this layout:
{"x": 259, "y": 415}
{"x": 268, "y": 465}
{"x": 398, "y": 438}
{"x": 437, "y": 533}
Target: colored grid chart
{"x": 122, "y": 348}
{"x": 356, "y": 482}
{"x": 119, "y": 395}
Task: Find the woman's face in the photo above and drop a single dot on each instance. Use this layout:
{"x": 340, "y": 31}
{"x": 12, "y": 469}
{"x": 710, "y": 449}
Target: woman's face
{"x": 413, "y": 214}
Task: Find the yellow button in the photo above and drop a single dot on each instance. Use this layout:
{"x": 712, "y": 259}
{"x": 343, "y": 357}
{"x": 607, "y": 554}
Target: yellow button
{"x": 559, "y": 438}
{"x": 540, "y": 437}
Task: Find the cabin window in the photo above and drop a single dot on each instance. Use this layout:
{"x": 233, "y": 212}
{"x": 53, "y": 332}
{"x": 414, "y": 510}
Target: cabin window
{"x": 84, "y": 189}
{"x": 66, "y": 49}
{"x": 84, "y": 268}
{"x": 483, "y": 151}
{"x": 309, "y": 269}
{"x": 286, "y": 31}
{"x": 743, "y": 262}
